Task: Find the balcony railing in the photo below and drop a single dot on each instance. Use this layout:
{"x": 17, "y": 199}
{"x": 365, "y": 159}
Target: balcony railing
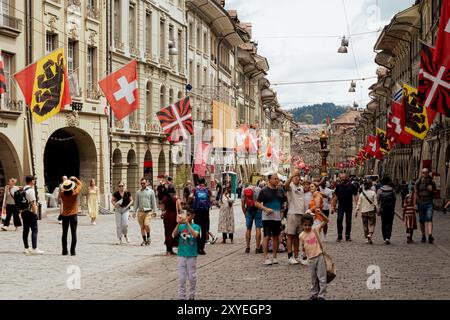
{"x": 134, "y": 125}
{"x": 10, "y": 109}
{"x": 153, "y": 127}
{"x": 10, "y": 26}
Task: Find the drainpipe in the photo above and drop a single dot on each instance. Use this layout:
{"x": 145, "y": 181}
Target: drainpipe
{"x": 108, "y": 71}
{"x": 28, "y": 61}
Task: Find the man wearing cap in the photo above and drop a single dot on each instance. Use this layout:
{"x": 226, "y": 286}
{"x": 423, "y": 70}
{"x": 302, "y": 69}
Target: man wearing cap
{"x": 145, "y": 204}
{"x": 70, "y": 189}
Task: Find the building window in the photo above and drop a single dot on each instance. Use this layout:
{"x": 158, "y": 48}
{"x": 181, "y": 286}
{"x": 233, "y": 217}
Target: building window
{"x": 162, "y": 39}
{"x": 117, "y": 21}
{"x": 162, "y": 97}
{"x": 172, "y": 40}
{"x": 205, "y": 43}
{"x": 51, "y": 42}
{"x": 191, "y": 33}
{"x": 180, "y": 52}
{"x": 132, "y": 26}
{"x": 8, "y": 67}
{"x": 199, "y": 77}
{"x": 72, "y": 57}
{"x": 148, "y": 103}
{"x": 91, "y": 68}
{"x": 171, "y": 97}
{"x": 199, "y": 38}
{"x": 191, "y": 73}
{"x": 148, "y": 32}
{"x": 205, "y": 77}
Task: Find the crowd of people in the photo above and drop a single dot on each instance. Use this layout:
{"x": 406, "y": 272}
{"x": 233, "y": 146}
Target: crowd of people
{"x": 289, "y": 215}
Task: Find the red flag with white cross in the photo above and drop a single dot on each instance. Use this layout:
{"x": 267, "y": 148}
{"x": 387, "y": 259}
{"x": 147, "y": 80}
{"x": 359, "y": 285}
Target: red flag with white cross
{"x": 398, "y": 121}
{"x": 121, "y": 90}
{"x": 434, "y": 85}
{"x": 442, "y": 53}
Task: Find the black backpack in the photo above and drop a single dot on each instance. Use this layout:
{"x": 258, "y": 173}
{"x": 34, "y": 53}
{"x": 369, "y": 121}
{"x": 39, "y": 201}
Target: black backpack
{"x": 20, "y": 199}
{"x": 387, "y": 200}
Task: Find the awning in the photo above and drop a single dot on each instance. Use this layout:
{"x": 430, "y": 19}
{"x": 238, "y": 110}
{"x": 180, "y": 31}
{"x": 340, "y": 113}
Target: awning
{"x": 400, "y": 28}
{"x": 217, "y": 17}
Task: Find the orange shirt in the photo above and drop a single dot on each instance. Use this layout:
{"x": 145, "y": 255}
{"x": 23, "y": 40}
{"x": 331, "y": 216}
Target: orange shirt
{"x": 69, "y": 202}
{"x": 312, "y": 202}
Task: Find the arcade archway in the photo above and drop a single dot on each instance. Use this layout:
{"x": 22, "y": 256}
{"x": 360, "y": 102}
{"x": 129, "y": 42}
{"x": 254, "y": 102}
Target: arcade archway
{"x": 9, "y": 164}
{"x": 69, "y": 152}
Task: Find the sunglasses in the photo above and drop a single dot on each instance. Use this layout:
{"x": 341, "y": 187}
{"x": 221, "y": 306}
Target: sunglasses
{"x": 120, "y": 186}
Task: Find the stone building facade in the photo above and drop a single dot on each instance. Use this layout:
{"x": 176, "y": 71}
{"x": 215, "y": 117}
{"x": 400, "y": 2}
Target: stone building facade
{"x": 398, "y": 53}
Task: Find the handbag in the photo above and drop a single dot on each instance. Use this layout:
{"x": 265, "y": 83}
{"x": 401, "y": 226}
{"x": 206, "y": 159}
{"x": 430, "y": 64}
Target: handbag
{"x": 329, "y": 264}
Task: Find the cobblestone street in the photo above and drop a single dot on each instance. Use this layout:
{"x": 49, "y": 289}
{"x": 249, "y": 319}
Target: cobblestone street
{"x": 108, "y": 271}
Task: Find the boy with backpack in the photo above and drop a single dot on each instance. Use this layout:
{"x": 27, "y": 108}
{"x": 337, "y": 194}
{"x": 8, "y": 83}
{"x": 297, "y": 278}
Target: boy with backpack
{"x": 25, "y": 201}
{"x": 252, "y": 213}
{"x": 386, "y": 199}
{"x": 201, "y": 206}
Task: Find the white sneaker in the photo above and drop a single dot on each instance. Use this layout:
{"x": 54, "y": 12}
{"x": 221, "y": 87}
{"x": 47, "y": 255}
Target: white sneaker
{"x": 292, "y": 261}
{"x": 304, "y": 262}
{"x": 126, "y": 239}
{"x": 36, "y": 251}
{"x": 267, "y": 262}
{"x": 274, "y": 261}
{"x": 26, "y": 251}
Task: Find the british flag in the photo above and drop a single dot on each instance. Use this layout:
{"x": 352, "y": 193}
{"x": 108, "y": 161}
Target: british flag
{"x": 176, "y": 120}
{"x": 434, "y": 84}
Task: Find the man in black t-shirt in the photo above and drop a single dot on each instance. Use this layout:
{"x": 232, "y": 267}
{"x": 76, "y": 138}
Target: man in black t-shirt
{"x": 344, "y": 193}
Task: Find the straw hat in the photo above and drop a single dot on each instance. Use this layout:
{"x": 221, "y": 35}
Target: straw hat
{"x": 68, "y": 185}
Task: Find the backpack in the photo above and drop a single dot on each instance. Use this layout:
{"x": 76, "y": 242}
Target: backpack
{"x": 201, "y": 199}
{"x": 20, "y": 199}
{"x": 387, "y": 200}
{"x": 249, "y": 198}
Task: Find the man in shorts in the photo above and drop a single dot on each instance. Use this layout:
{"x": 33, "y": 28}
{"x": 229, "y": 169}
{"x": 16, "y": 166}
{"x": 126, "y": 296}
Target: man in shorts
{"x": 252, "y": 213}
{"x": 145, "y": 205}
{"x": 296, "y": 209}
{"x": 270, "y": 201}
{"x": 424, "y": 191}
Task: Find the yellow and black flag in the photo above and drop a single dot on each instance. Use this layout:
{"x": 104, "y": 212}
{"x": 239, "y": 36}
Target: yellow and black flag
{"x": 45, "y": 86}
{"x": 385, "y": 144}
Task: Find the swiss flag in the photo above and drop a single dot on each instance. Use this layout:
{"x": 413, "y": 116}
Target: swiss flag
{"x": 121, "y": 90}
{"x": 373, "y": 147}
{"x": 442, "y": 53}
{"x": 398, "y": 122}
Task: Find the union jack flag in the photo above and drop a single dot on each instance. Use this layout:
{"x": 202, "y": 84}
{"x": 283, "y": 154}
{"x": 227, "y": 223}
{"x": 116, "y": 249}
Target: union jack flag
{"x": 176, "y": 120}
{"x": 434, "y": 84}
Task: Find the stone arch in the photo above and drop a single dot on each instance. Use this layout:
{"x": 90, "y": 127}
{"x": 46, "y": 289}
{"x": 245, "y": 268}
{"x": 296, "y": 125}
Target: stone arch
{"x": 132, "y": 172}
{"x": 10, "y": 166}
{"x": 148, "y": 167}
{"x": 162, "y": 164}
{"x": 69, "y": 151}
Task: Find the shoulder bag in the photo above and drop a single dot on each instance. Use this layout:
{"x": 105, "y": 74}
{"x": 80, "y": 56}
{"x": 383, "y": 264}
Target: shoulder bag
{"x": 329, "y": 264}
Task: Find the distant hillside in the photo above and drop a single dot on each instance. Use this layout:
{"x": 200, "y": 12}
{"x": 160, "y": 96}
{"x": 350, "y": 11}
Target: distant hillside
{"x": 317, "y": 113}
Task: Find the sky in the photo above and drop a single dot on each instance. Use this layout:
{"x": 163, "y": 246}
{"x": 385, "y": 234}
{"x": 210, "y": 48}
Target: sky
{"x": 300, "y": 39}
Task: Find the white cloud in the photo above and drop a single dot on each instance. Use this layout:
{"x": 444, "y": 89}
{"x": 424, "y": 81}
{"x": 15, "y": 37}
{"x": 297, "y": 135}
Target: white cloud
{"x": 311, "y": 59}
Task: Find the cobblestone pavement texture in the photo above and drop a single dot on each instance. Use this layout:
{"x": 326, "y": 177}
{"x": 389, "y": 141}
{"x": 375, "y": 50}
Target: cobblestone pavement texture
{"x": 108, "y": 271}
